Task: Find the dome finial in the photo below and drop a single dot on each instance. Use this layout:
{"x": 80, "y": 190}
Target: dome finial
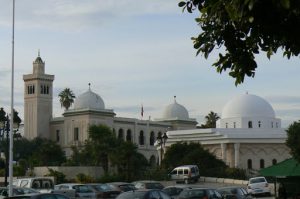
{"x": 175, "y": 99}
{"x": 89, "y": 86}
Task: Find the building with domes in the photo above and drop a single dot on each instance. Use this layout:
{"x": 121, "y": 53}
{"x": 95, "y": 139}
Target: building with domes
{"x": 247, "y": 136}
{"x": 89, "y": 108}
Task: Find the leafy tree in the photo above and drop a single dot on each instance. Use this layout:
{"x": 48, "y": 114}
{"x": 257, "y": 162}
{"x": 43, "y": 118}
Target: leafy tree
{"x": 66, "y": 98}
{"x": 211, "y": 120}
{"x": 244, "y": 28}
{"x": 293, "y": 139}
{"x": 183, "y": 153}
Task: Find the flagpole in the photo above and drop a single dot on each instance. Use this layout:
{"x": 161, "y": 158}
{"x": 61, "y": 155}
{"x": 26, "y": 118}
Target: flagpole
{"x": 12, "y": 105}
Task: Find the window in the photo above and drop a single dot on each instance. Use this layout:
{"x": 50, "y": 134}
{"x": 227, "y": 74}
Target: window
{"x": 250, "y": 124}
{"x": 249, "y": 164}
{"x": 152, "y": 138}
{"x": 234, "y": 125}
{"x": 276, "y": 124}
{"x": 226, "y": 125}
{"x": 185, "y": 171}
{"x": 141, "y": 138}
{"x": 259, "y": 124}
{"x": 120, "y": 134}
{"x": 274, "y": 161}
{"x": 57, "y": 135}
{"x": 128, "y": 135}
{"x": 262, "y": 163}
{"x": 272, "y": 124}
{"x": 76, "y": 134}
{"x": 30, "y": 89}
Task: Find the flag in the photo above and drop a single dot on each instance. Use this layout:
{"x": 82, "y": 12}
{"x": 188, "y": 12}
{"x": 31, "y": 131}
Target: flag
{"x": 142, "y": 111}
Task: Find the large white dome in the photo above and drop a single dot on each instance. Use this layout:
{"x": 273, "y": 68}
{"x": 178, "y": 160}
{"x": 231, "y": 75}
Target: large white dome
{"x": 177, "y": 111}
{"x": 248, "y": 105}
{"x": 89, "y": 100}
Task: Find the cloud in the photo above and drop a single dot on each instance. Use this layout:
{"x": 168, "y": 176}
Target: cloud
{"x": 77, "y": 14}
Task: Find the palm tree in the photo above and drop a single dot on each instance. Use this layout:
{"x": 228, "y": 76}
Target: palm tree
{"x": 211, "y": 120}
{"x": 66, "y": 98}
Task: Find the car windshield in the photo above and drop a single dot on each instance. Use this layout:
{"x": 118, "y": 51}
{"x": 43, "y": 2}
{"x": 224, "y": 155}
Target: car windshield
{"x": 154, "y": 186}
{"x": 132, "y": 195}
{"x": 102, "y": 187}
{"x": 257, "y": 180}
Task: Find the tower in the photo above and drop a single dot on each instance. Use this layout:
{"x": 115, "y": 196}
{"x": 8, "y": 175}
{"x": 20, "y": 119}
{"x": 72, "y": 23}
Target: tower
{"x": 38, "y": 96}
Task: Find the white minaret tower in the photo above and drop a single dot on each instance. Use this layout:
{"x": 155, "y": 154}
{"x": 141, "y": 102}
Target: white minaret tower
{"x": 38, "y": 96}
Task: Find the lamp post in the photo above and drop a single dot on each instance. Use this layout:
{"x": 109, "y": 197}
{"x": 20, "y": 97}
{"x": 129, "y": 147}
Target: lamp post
{"x": 5, "y": 137}
{"x": 161, "y": 140}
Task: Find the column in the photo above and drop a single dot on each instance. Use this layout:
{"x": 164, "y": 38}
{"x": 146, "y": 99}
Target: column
{"x": 224, "y": 150}
{"x": 236, "y": 154}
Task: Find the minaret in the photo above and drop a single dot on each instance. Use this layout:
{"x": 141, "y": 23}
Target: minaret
{"x": 38, "y": 97}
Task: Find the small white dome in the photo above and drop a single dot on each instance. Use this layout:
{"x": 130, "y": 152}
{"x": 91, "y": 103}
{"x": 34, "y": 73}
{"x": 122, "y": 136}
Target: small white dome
{"x": 248, "y": 106}
{"x": 177, "y": 111}
{"x": 89, "y": 100}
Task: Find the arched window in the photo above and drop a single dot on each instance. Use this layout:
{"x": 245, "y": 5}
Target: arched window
{"x": 276, "y": 124}
{"x": 121, "y": 134}
{"x": 250, "y": 124}
{"x": 249, "y": 164}
{"x": 234, "y": 125}
{"x": 128, "y": 135}
{"x": 226, "y": 125}
{"x": 259, "y": 124}
{"x": 274, "y": 161}
{"x": 152, "y": 139}
{"x": 272, "y": 124}
{"x": 141, "y": 138}
{"x": 262, "y": 163}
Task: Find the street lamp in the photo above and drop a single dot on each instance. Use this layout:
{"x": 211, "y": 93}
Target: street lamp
{"x": 161, "y": 141}
{"x": 5, "y": 136}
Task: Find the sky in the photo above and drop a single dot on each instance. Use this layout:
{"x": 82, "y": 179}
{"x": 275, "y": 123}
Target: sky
{"x": 133, "y": 53}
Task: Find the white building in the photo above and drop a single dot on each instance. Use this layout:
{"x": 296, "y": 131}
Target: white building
{"x": 89, "y": 108}
{"x": 248, "y": 135}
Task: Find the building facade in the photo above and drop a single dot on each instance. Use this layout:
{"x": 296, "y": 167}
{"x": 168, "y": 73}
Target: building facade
{"x": 248, "y": 135}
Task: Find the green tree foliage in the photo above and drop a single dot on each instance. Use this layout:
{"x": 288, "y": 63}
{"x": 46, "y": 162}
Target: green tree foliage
{"x": 103, "y": 148}
{"x": 243, "y": 28}
{"x": 193, "y": 153}
{"x": 59, "y": 176}
{"x": 211, "y": 120}
{"x": 66, "y": 98}
{"x": 293, "y": 139}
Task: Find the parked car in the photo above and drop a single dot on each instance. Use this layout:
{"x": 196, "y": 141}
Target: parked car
{"x": 175, "y": 190}
{"x": 40, "y": 196}
{"x": 235, "y": 191}
{"x": 122, "y": 186}
{"x": 200, "y": 193}
{"x": 185, "y": 173}
{"x": 148, "y": 184}
{"x": 16, "y": 191}
{"x": 258, "y": 186}
{"x": 144, "y": 194}
{"x": 42, "y": 184}
{"x": 76, "y": 189}
{"x": 104, "y": 190}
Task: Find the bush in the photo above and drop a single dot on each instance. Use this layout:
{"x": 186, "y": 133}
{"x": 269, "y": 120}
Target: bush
{"x": 83, "y": 178}
{"x": 59, "y": 176}
{"x": 156, "y": 174}
{"x": 110, "y": 178}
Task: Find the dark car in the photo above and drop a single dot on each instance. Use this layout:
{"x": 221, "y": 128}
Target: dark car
{"x": 199, "y": 193}
{"x": 104, "y": 191}
{"x": 148, "y": 184}
{"x": 40, "y": 196}
{"x": 144, "y": 194}
{"x": 122, "y": 186}
{"x": 237, "y": 192}
{"x": 175, "y": 190}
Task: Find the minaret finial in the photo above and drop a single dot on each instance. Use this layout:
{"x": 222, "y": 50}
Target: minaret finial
{"x": 89, "y": 86}
{"x": 39, "y": 53}
{"x": 175, "y": 98}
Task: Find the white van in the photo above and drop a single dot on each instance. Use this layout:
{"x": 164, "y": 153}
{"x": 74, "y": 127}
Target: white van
{"x": 42, "y": 184}
{"x": 185, "y": 173}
